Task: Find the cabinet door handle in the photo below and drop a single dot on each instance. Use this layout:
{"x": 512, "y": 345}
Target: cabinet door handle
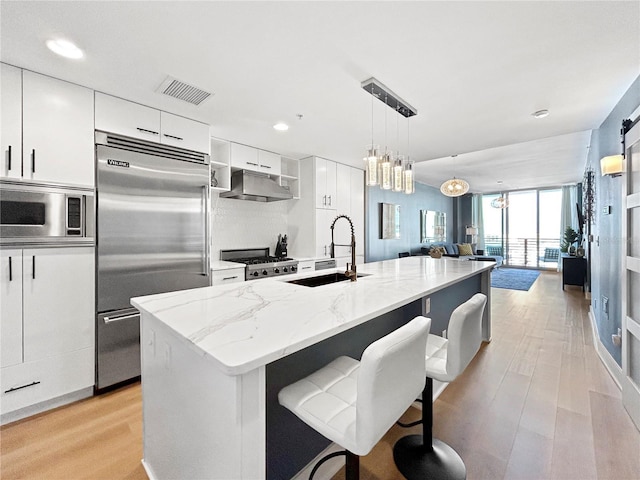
{"x": 265, "y": 166}
{"x": 33, "y": 161}
{"x": 230, "y": 278}
{"x": 324, "y": 200}
{"x": 325, "y": 249}
{"x": 305, "y": 268}
{"x": 13, "y": 389}
{"x": 251, "y": 163}
{"x": 118, "y": 318}
{"x": 173, "y": 136}
{"x": 9, "y": 157}
{"x": 10, "y": 270}
{"x": 33, "y": 267}
{"x": 144, "y": 130}
{"x": 329, "y": 200}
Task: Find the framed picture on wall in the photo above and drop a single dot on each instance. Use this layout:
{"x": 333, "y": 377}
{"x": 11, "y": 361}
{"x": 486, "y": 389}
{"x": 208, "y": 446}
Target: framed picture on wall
{"x": 389, "y": 221}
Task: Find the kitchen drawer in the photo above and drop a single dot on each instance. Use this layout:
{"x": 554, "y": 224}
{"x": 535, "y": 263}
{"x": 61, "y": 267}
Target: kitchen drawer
{"x": 230, "y": 275}
{"x": 127, "y": 118}
{"x": 49, "y": 378}
{"x": 306, "y": 266}
{"x": 184, "y": 133}
{"x": 269, "y": 162}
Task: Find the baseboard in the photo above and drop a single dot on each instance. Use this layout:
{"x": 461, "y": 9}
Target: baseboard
{"x": 607, "y": 360}
{"x": 331, "y": 467}
{"x": 60, "y": 401}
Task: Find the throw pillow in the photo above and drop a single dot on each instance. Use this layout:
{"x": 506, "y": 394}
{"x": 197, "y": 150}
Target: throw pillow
{"x": 465, "y": 249}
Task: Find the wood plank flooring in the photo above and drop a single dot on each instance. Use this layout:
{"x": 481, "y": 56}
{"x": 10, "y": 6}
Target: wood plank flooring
{"x": 536, "y": 403}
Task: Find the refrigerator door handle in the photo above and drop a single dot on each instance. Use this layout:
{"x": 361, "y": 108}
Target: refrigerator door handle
{"x": 205, "y": 210}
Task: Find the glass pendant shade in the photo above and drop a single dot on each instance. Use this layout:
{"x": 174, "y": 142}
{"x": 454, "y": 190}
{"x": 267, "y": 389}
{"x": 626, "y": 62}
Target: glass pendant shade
{"x": 499, "y": 202}
{"x": 385, "y": 172}
{"x": 454, "y": 187}
{"x": 371, "y": 164}
{"x": 398, "y": 182}
{"x": 409, "y": 185}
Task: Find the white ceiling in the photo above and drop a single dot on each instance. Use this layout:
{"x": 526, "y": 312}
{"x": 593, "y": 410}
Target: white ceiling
{"x": 475, "y": 71}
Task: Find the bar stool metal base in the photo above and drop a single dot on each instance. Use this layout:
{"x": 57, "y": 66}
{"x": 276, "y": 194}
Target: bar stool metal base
{"x": 416, "y": 462}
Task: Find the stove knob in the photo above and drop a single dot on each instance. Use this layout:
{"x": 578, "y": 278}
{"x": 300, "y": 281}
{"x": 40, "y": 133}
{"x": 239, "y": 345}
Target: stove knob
{"x": 293, "y": 268}
{"x": 264, "y": 272}
{"x": 276, "y": 270}
{"x": 255, "y": 274}
{"x": 285, "y": 270}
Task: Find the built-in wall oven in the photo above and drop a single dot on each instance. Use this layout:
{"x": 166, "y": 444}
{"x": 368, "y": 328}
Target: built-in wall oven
{"x": 45, "y": 214}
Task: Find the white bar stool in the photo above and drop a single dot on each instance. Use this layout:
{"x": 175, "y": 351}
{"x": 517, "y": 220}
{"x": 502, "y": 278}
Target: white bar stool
{"x": 353, "y": 403}
{"x": 422, "y": 456}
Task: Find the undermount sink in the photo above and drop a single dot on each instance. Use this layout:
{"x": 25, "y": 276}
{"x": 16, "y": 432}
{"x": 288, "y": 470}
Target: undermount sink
{"x": 324, "y": 279}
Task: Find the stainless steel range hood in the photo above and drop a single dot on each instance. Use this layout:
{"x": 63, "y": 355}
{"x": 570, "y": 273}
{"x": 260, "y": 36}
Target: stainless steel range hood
{"x": 259, "y": 187}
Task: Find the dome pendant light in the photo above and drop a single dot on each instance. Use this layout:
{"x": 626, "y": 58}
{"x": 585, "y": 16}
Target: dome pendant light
{"x": 454, "y": 187}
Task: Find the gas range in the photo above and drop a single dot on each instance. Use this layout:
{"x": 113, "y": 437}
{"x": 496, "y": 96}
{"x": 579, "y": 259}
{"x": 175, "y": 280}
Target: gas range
{"x": 259, "y": 264}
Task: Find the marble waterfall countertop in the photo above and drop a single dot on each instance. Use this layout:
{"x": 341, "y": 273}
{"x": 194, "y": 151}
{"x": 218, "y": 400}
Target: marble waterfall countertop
{"x": 242, "y": 326}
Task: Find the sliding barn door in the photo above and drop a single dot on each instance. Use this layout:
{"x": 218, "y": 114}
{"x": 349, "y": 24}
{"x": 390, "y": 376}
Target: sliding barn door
{"x": 631, "y": 275}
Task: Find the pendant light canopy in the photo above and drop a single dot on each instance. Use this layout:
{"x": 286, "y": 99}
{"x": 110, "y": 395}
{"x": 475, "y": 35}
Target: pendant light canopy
{"x": 454, "y": 187}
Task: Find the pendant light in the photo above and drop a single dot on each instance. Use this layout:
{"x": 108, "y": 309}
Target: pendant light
{"x": 371, "y": 156}
{"x": 454, "y": 187}
{"x": 407, "y": 173}
{"x": 500, "y": 202}
{"x": 385, "y": 163}
{"x": 390, "y": 170}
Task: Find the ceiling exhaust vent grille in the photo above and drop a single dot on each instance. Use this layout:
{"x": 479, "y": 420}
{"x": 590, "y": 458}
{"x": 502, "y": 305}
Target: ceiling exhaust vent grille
{"x": 183, "y": 91}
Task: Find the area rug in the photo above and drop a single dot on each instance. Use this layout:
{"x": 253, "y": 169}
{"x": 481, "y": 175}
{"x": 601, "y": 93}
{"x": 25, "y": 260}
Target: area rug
{"x": 513, "y": 278}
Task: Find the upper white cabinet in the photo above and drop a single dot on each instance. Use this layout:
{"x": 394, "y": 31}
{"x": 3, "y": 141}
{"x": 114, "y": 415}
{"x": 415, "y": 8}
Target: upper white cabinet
{"x": 11, "y": 121}
{"x": 182, "y": 132}
{"x": 325, "y": 191}
{"x": 55, "y": 129}
{"x": 139, "y": 121}
{"x": 250, "y": 158}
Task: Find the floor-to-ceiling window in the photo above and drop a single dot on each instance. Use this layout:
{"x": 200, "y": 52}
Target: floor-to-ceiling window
{"x": 526, "y": 232}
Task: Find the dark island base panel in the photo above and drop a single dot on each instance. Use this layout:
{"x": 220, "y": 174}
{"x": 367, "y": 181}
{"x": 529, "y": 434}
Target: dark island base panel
{"x": 291, "y": 444}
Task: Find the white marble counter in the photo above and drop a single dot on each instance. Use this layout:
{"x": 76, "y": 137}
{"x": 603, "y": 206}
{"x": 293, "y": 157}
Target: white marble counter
{"x": 246, "y": 325}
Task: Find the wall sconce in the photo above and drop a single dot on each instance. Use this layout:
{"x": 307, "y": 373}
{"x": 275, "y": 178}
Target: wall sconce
{"x": 471, "y": 231}
{"x": 612, "y": 165}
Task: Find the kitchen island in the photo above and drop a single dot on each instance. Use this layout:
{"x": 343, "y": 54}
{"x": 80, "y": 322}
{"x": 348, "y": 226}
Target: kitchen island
{"x": 214, "y": 358}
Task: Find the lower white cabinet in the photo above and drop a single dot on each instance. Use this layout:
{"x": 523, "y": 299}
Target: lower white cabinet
{"x": 47, "y": 324}
{"x": 324, "y": 218}
{"x": 229, "y": 275}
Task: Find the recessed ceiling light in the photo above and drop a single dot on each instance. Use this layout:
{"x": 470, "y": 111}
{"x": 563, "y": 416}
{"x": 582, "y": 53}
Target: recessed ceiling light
{"x": 281, "y": 127}
{"x": 540, "y": 113}
{"x": 65, "y": 48}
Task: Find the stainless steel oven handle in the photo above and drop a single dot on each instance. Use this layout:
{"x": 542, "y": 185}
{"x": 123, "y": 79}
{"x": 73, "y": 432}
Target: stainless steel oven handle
{"x": 117, "y": 318}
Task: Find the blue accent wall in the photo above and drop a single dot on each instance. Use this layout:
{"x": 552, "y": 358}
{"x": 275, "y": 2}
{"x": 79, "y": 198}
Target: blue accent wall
{"x": 424, "y": 198}
{"x": 606, "y": 249}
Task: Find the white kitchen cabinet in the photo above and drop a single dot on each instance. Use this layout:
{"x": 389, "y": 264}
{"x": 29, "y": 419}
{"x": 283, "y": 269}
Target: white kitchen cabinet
{"x": 306, "y": 266}
{"x": 324, "y": 218}
{"x": 254, "y": 159}
{"x": 310, "y": 233}
{"x": 48, "y": 124}
{"x": 184, "y": 133}
{"x": 228, "y": 275}
{"x": 11, "y": 307}
{"x": 325, "y": 182}
{"x": 55, "y": 319}
{"x": 269, "y": 162}
{"x": 11, "y": 121}
{"x": 131, "y": 119}
{"x": 57, "y": 131}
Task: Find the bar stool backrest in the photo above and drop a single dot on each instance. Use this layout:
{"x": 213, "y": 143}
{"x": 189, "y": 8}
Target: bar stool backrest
{"x": 391, "y": 376}
{"x": 464, "y": 334}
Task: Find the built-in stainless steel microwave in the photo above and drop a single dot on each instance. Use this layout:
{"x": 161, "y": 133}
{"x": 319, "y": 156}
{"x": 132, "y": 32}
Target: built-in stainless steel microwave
{"x": 44, "y": 214}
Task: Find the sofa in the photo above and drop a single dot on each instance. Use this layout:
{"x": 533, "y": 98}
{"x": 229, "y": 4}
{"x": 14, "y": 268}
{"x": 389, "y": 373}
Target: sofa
{"x": 453, "y": 250}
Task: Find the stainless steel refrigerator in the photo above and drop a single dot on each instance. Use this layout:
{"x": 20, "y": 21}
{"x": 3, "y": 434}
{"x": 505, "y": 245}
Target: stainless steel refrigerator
{"x": 152, "y": 207}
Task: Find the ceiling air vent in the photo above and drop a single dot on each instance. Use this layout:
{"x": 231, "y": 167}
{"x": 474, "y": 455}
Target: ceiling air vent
{"x": 183, "y": 91}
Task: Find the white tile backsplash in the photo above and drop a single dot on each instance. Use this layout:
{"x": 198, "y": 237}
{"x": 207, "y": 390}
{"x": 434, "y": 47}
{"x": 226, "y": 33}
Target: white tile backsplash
{"x": 246, "y": 224}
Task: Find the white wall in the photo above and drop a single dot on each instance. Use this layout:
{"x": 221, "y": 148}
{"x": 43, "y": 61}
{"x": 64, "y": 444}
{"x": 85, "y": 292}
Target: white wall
{"x": 246, "y": 224}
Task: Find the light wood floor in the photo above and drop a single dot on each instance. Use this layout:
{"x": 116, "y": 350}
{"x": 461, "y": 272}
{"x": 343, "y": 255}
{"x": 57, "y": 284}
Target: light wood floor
{"x": 535, "y": 403}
